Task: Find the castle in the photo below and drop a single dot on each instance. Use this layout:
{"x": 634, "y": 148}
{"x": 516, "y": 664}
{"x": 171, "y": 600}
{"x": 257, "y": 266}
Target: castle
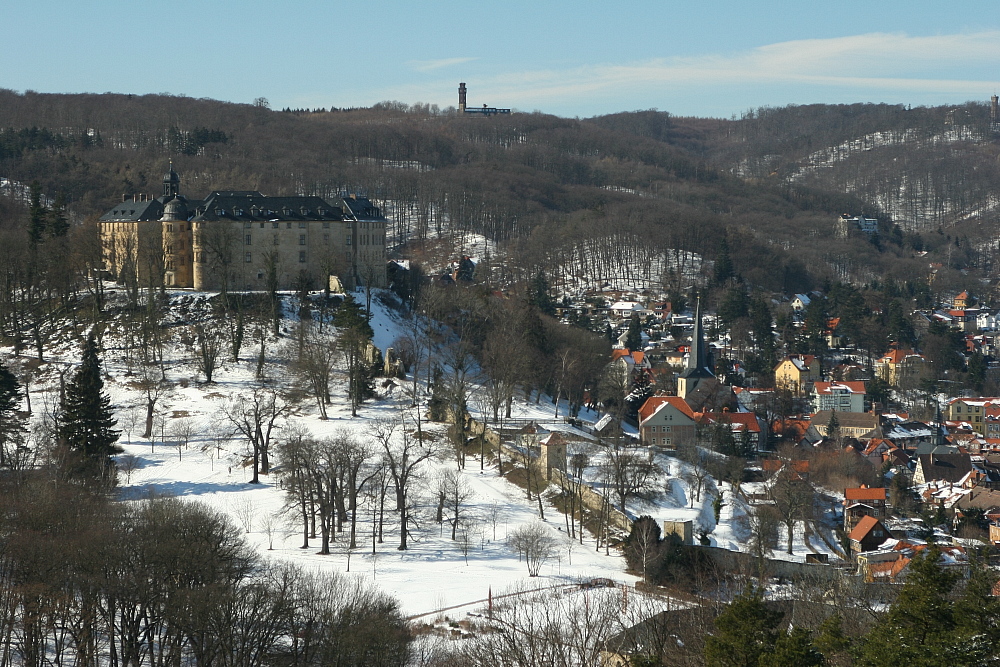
{"x": 243, "y": 240}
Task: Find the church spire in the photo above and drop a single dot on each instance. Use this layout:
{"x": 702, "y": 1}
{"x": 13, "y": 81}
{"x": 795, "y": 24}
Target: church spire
{"x": 697, "y": 358}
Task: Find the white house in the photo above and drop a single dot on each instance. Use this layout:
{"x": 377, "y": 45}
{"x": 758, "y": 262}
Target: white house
{"x": 839, "y": 396}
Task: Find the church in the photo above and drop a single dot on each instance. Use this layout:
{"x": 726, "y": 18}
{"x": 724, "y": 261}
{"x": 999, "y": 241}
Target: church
{"x": 243, "y": 240}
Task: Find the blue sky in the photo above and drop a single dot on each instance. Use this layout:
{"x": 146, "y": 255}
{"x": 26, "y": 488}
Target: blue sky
{"x": 567, "y": 58}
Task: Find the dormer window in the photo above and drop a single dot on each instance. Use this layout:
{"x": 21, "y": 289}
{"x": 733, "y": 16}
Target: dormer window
{"x": 304, "y": 211}
{"x": 286, "y": 211}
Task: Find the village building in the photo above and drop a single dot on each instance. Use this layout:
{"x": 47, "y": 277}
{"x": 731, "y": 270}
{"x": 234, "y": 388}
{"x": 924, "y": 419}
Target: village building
{"x": 850, "y": 424}
{"x": 903, "y": 368}
{"x": 867, "y": 535}
{"x": 979, "y": 413}
{"x": 243, "y": 240}
{"x": 668, "y": 422}
{"x": 797, "y": 373}
{"x": 953, "y": 469}
{"x": 839, "y": 396}
{"x": 861, "y": 502}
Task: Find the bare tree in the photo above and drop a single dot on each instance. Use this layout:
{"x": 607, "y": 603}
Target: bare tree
{"x": 456, "y": 492}
{"x": 209, "y": 343}
{"x": 403, "y": 456}
{"x": 255, "y": 416}
{"x": 245, "y": 511}
{"x": 128, "y": 464}
{"x": 793, "y": 500}
{"x": 532, "y": 540}
{"x": 315, "y": 363}
{"x": 630, "y": 473}
{"x": 696, "y": 472}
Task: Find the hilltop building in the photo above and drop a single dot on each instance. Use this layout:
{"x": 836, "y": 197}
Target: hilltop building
{"x": 242, "y": 239}
{"x": 846, "y": 223}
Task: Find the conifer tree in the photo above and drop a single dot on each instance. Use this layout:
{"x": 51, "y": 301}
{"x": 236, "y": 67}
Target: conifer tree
{"x": 58, "y": 224}
{"x": 744, "y": 632}
{"x": 539, "y": 295}
{"x": 795, "y": 649}
{"x": 36, "y": 213}
{"x": 10, "y": 398}
{"x": 87, "y": 424}
{"x": 920, "y": 626}
{"x": 633, "y": 341}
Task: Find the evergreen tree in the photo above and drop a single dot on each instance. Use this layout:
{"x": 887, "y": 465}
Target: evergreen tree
{"x": 733, "y": 306}
{"x": 831, "y": 640}
{"x": 919, "y": 630}
{"x": 10, "y": 399}
{"x": 437, "y": 406}
{"x": 833, "y": 427}
{"x": 723, "y": 269}
{"x": 87, "y": 423}
{"x": 36, "y": 213}
{"x": 744, "y": 632}
{"x": 795, "y": 649}
{"x": 58, "y": 223}
{"x": 633, "y": 340}
{"x": 539, "y": 294}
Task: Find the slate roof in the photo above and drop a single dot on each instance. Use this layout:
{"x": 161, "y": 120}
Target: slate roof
{"x": 946, "y": 467}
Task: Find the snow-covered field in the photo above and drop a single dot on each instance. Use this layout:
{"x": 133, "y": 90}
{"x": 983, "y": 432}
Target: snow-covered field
{"x": 432, "y": 574}
{"x": 435, "y": 572}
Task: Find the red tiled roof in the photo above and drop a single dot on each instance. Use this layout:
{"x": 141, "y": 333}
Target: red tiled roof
{"x": 864, "y": 527}
{"x": 897, "y": 356}
{"x": 863, "y": 493}
{"x": 653, "y": 403}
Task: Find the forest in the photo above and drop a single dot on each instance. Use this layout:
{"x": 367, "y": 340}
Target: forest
{"x": 556, "y": 193}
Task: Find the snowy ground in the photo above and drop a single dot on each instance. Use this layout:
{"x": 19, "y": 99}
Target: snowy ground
{"x": 434, "y": 572}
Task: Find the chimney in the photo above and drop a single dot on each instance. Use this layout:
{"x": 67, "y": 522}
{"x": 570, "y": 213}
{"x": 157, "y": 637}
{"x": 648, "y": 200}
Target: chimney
{"x": 461, "y": 98}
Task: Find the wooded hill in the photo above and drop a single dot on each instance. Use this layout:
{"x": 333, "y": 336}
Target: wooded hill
{"x": 579, "y": 198}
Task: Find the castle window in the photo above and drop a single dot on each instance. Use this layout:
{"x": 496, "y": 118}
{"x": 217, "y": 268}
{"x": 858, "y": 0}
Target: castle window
{"x": 302, "y": 225}
{"x": 326, "y": 225}
{"x": 248, "y": 257}
{"x": 302, "y": 239}
{"x": 170, "y": 228}
{"x": 302, "y": 255}
{"x": 348, "y": 239}
{"x": 277, "y": 240}
{"x": 246, "y": 225}
{"x": 262, "y": 225}
{"x": 288, "y": 225}
{"x": 274, "y": 225}
{"x": 249, "y": 240}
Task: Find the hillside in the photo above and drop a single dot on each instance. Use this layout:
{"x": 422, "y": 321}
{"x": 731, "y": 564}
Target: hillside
{"x": 636, "y": 188}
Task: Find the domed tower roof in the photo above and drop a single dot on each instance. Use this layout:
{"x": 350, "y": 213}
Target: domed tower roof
{"x": 175, "y": 209}
{"x": 171, "y": 182}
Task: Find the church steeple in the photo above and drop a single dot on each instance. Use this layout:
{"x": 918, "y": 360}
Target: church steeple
{"x": 697, "y": 358}
{"x": 171, "y": 182}
{"x": 696, "y": 369}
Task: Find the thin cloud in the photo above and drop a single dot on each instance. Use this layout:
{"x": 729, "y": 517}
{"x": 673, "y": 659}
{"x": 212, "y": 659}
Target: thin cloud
{"x": 872, "y": 61}
{"x": 431, "y": 65}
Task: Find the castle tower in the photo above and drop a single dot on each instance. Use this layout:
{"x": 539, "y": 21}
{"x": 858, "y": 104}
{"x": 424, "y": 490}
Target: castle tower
{"x": 461, "y": 98}
{"x": 696, "y": 369}
{"x": 171, "y": 182}
{"x": 177, "y": 251}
